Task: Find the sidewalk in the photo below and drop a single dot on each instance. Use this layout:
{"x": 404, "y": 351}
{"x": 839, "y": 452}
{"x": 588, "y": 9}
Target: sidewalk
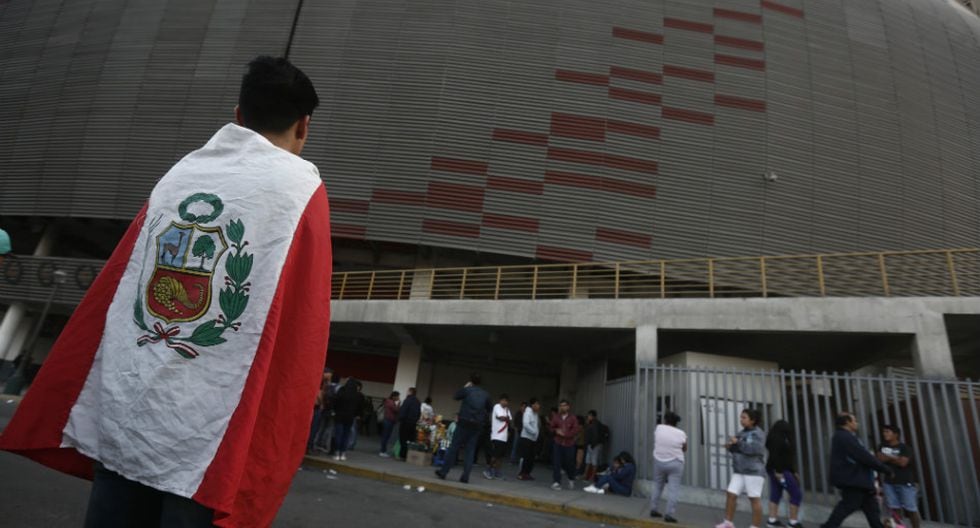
{"x": 533, "y": 495}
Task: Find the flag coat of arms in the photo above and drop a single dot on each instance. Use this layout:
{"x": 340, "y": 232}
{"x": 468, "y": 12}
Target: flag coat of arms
{"x": 193, "y": 361}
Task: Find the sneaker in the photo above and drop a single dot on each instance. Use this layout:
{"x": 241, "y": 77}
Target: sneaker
{"x": 522, "y": 476}
{"x": 655, "y": 514}
{"x": 556, "y": 486}
{"x": 336, "y": 457}
{"x": 529, "y": 477}
{"x": 774, "y": 522}
{"x": 725, "y": 524}
{"x": 440, "y": 475}
{"x": 497, "y": 474}
{"x": 384, "y": 455}
{"x": 669, "y": 519}
{"x": 464, "y": 480}
{"x": 487, "y": 474}
{"x": 600, "y": 491}
{"x": 590, "y": 489}
{"x": 343, "y": 457}
{"x": 571, "y": 484}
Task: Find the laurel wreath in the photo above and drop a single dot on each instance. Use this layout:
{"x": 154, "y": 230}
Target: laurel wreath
{"x": 233, "y": 298}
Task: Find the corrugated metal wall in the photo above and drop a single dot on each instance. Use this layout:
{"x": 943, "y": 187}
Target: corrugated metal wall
{"x": 563, "y": 129}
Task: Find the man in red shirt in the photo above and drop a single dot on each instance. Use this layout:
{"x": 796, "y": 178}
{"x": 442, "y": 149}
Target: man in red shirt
{"x": 565, "y": 427}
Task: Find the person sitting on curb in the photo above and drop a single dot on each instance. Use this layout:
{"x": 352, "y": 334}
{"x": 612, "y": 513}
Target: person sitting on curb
{"x": 620, "y": 478}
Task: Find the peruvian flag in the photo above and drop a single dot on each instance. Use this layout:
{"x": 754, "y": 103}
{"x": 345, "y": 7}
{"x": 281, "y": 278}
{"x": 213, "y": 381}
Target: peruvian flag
{"x": 192, "y": 363}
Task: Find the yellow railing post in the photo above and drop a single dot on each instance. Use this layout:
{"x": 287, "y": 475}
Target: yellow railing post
{"x": 616, "y": 283}
{"x": 762, "y": 272}
{"x": 884, "y": 275}
{"x": 462, "y": 285}
{"x": 496, "y": 289}
{"x": 371, "y": 286}
{"x": 711, "y": 278}
{"x": 343, "y": 286}
{"x": 952, "y": 273}
{"x": 820, "y": 280}
{"x": 534, "y": 284}
{"x": 574, "y": 280}
{"x": 432, "y": 283}
{"x": 663, "y": 279}
{"x": 401, "y": 284}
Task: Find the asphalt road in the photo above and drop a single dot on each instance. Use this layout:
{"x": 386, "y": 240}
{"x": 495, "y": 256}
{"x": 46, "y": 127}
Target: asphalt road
{"x": 32, "y": 495}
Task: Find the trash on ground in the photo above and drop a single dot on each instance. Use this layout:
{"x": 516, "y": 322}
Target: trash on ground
{"x": 407, "y": 487}
{"x": 421, "y": 489}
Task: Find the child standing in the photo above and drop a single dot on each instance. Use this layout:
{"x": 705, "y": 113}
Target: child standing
{"x": 748, "y": 449}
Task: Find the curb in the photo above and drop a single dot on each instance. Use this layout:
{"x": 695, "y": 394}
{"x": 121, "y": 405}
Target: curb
{"x": 489, "y": 496}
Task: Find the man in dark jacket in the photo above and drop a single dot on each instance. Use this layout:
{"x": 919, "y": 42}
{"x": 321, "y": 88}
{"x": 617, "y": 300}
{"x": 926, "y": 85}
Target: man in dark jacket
{"x": 852, "y": 469}
{"x": 473, "y": 412}
{"x": 408, "y": 418}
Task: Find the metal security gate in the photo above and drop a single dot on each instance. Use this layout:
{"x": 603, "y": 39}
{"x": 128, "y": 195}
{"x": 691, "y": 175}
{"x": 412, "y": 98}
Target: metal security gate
{"x": 619, "y": 415}
{"x": 938, "y": 419}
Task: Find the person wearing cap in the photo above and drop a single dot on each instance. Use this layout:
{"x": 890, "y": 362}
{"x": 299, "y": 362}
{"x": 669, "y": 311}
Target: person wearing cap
{"x": 4, "y": 244}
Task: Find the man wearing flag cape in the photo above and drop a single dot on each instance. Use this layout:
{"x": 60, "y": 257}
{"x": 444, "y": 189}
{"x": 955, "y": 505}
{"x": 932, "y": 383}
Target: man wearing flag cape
{"x": 182, "y": 385}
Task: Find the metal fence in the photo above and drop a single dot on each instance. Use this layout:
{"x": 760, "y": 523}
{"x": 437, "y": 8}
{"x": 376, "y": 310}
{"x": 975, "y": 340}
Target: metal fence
{"x": 953, "y": 272}
{"x": 938, "y": 419}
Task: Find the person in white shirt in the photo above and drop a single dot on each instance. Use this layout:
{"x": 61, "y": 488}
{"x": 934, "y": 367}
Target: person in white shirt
{"x": 670, "y": 443}
{"x": 427, "y": 412}
{"x": 499, "y": 429}
{"x": 529, "y": 438}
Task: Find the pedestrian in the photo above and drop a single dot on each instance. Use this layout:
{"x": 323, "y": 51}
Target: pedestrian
{"x": 367, "y": 415}
{"x": 518, "y": 424}
{"x": 669, "y": 446}
{"x": 529, "y": 437}
{"x": 565, "y": 427}
{"x": 851, "y": 471}
{"x": 195, "y": 411}
{"x": 620, "y": 478}
{"x": 428, "y": 414}
{"x": 472, "y": 413}
{"x": 748, "y": 449}
{"x": 347, "y": 409}
{"x": 596, "y": 434}
{"x": 783, "y": 477}
{"x": 318, "y": 411}
{"x": 390, "y": 406}
{"x": 408, "y": 418}
{"x": 500, "y": 420}
{"x": 324, "y": 438}
{"x": 901, "y": 491}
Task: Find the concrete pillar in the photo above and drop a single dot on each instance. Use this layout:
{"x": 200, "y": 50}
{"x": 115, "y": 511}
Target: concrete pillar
{"x": 646, "y": 346}
{"x": 930, "y": 348}
{"x": 14, "y": 317}
{"x": 568, "y": 383}
{"x": 407, "y": 373}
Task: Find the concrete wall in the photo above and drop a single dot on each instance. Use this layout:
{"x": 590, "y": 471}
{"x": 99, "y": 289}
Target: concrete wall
{"x": 447, "y": 379}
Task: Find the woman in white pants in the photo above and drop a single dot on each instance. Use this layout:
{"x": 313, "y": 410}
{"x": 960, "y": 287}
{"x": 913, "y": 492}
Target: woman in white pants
{"x": 670, "y": 443}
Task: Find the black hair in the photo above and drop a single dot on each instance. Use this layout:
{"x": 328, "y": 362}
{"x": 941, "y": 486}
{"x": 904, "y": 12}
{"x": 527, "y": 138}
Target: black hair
{"x": 754, "y": 415}
{"x": 532, "y": 401}
{"x": 428, "y": 400}
{"x": 475, "y": 378}
{"x": 394, "y": 394}
{"x": 892, "y": 428}
{"x": 843, "y": 419}
{"x": 504, "y": 397}
{"x": 411, "y": 391}
{"x": 274, "y": 95}
{"x": 592, "y": 413}
{"x": 625, "y": 458}
{"x": 566, "y": 402}
{"x": 671, "y": 418}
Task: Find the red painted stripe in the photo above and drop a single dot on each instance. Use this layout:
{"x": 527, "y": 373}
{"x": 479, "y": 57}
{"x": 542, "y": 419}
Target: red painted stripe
{"x": 391, "y": 196}
{"x": 688, "y": 25}
{"x": 462, "y": 166}
{"x": 596, "y": 79}
{"x": 520, "y": 136}
{"x": 626, "y": 238}
{"x": 571, "y": 179}
{"x": 733, "y": 42}
{"x": 634, "y": 96}
{"x": 631, "y": 164}
{"x": 636, "y": 75}
{"x": 641, "y": 190}
{"x": 780, "y": 8}
{"x": 445, "y": 227}
{"x": 506, "y": 183}
{"x": 679, "y": 114}
{"x": 578, "y": 127}
{"x": 688, "y": 73}
{"x": 732, "y": 101}
{"x": 633, "y": 129}
{"x": 563, "y": 254}
{"x": 350, "y": 205}
{"x": 455, "y": 196}
{"x": 639, "y": 36}
{"x": 348, "y": 230}
{"x": 513, "y": 223}
{"x": 740, "y": 62}
{"x": 606, "y": 160}
{"x": 738, "y": 15}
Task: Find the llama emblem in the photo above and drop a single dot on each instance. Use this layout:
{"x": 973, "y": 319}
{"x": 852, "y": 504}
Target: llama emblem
{"x": 186, "y": 257}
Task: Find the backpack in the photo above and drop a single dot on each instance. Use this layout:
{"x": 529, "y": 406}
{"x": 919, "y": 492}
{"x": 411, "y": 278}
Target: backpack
{"x": 604, "y": 434}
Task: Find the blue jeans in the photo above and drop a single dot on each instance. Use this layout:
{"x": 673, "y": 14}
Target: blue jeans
{"x": 562, "y": 457}
{"x": 467, "y": 433}
{"x": 614, "y": 486}
{"x": 116, "y": 502}
{"x": 341, "y": 436}
{"x": 386, "y": 430}
{"x": 314, "y": 428}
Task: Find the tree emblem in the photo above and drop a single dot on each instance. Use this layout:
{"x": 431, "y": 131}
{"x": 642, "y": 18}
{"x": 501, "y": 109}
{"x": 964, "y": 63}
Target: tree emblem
{"x": 204, "y": 248}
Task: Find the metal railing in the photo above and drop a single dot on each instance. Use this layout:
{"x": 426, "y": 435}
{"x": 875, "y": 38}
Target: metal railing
{"x": 953, "y": 272}
{"x": 939, "y": 420}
